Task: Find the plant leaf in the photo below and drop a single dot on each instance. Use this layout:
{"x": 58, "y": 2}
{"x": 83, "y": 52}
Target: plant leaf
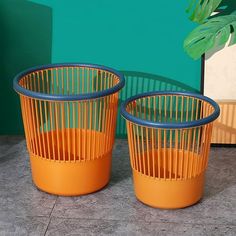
{"x": 202, "y": 9}
{"x": 191, "y": 5}
{"x": 214, "y": 32}
{"x": 233, "y": 38}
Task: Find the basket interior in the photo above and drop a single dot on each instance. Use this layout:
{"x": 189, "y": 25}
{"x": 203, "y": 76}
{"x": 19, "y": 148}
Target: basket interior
{"x": 170, "y": 108}
{"x": 69, "y": 80}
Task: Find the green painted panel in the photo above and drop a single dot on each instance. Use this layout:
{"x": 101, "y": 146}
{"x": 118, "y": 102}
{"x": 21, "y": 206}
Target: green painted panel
{"x": 26, "y": 39}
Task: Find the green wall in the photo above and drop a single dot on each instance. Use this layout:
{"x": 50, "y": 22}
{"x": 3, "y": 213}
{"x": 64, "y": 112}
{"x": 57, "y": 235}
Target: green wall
{"x": 135, "y": 35}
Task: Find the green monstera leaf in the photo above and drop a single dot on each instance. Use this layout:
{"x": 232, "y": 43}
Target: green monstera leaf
{"x": 201, "y": 9}
{"x": 215, "y": 32}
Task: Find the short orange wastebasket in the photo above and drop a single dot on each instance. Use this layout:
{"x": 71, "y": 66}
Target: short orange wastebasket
{"x": 69, "y": 115}
{"x": 169, "y": 137}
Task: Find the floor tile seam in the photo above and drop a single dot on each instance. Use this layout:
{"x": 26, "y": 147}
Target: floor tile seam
{"x": 132, "y": 221}
{"x": 27, "y": 216}
{"x": 50, "y": 215}
{"x": 46, "y": 230}
{"x": 42, "y": 216}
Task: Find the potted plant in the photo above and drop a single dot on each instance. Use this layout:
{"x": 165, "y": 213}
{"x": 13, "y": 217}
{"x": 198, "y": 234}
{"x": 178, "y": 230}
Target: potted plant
{"x": 214, "y": 38}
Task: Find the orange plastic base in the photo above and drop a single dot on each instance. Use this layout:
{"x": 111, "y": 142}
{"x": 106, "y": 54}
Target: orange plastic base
{"x": 70, "y": 178}
{"x": 168, "y": 194}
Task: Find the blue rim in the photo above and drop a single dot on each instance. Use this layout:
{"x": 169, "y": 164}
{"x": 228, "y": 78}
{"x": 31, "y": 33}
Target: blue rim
{"x": 60, "y": 97}
{"x": 165, "y": 125}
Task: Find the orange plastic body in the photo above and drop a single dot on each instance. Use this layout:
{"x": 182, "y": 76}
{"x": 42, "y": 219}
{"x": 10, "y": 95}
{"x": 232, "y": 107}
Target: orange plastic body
{"x": 70, "y": 179}
{"x": 70, "y": 142}
{"x": 169, "y": 164}
{"x": 169, "y": 193}
{"x": 73, "y": 177}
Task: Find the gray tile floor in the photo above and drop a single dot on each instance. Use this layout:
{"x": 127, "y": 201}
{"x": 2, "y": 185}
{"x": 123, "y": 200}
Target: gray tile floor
{"x": 24, "y": 210}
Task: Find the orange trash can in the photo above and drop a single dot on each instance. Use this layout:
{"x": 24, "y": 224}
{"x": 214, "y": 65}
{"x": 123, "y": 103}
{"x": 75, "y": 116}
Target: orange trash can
{"x": 69, "y": 115}
{"x": 169, "y": 136}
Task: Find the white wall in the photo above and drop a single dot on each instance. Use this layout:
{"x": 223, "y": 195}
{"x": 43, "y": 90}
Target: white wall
{"x": 220, "y": 74}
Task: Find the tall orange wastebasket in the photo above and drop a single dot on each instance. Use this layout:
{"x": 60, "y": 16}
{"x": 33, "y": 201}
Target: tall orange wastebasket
{"x": 169, "y": 137}
{"x": 69, "y": 115}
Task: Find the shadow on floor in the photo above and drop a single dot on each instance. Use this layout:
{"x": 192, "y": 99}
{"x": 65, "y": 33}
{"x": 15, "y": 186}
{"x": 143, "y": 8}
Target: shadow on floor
{"x": 121, "y": 169}
{"x": 220, "y": 174}
{"x": 9, "y": 145}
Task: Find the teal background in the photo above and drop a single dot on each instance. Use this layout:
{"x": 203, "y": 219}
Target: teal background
{"x": 134, "y": 35}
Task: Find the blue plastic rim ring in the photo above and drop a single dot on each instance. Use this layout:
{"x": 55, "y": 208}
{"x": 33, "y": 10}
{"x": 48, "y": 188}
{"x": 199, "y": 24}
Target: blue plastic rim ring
{"x": 166, "y": 125}
{"x": 60, "y": 97}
